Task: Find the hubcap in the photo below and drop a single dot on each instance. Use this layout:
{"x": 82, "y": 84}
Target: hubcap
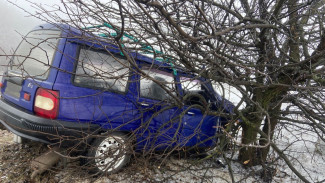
{"x": 110, "y": 154}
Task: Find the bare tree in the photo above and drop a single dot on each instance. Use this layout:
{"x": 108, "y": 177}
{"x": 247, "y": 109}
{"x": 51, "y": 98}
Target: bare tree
{"x": 270, "y": 51}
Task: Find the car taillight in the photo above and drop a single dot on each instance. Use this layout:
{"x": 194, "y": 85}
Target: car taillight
{"x": 46, "y": 103}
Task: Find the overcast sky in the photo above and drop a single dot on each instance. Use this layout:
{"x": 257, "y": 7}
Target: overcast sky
{"x": 15, "y": 23}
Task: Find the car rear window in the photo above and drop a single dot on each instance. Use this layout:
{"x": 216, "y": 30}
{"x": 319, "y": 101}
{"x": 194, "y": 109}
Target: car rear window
{"x": 34, "y": 55}
{"x": 101, "y": 70}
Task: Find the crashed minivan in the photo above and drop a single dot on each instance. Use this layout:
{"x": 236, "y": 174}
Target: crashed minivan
{"x": 65, "y": 87}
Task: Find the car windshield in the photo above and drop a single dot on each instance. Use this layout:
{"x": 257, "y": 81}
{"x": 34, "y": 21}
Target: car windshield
{"x": 34, "y": 55}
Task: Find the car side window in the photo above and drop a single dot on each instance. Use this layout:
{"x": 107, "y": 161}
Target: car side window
{"x": 101, "y": 70}
{"x": 190, "y": 84}
{"x": 153, "y": 88}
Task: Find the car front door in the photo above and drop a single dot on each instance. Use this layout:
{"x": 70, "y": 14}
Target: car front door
{"x": 199, "y": 129}
{"x": 160, "y": 125}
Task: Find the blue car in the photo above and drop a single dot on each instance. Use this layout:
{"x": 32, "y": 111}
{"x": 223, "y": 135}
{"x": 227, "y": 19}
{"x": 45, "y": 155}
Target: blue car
{"x": 66, "y": 87}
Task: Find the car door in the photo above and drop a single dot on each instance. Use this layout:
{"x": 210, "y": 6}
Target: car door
{"x": 98, "y": 91}
{"x": 160, "y": 124}
{"x": 199, "y": 129}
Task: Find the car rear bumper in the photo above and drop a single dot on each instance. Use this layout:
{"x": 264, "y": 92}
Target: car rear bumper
{"x": 44, "y": 130}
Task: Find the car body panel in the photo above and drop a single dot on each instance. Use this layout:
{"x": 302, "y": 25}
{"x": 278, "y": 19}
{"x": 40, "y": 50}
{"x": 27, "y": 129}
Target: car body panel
{"x": 156, "y": 124}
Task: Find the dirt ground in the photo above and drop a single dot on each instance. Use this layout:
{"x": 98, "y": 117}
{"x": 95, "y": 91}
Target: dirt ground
{"x": 15, "y": 158}
{"x": 15, "y": 163}
{"x": 15, "y": 168}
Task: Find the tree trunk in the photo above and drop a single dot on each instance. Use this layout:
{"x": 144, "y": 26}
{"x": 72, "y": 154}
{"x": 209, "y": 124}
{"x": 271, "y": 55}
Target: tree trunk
{"x": 266, "y": 129}
{"x": 248, "y": 155}
{"x": 270, "y": 102}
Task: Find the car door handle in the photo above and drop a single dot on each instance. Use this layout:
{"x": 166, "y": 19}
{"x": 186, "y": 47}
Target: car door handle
{"x": 144, "y": 104}
{"x": 190, "y": 113}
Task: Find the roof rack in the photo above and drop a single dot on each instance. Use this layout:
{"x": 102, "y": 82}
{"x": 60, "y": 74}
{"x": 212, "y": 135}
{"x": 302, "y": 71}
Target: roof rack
{"x": 147, "y": 49}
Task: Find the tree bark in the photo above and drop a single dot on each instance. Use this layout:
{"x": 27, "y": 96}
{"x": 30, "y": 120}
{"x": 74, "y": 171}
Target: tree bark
{"x": 268, "y": 129}
{"x": 270, "y": 102}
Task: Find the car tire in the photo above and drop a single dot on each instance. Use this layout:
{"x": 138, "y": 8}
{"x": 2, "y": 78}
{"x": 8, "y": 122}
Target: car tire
{"x": 108, "y": 153}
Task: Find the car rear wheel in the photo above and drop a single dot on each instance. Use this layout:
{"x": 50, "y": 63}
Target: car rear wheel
{"x": 108, "y": 153}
